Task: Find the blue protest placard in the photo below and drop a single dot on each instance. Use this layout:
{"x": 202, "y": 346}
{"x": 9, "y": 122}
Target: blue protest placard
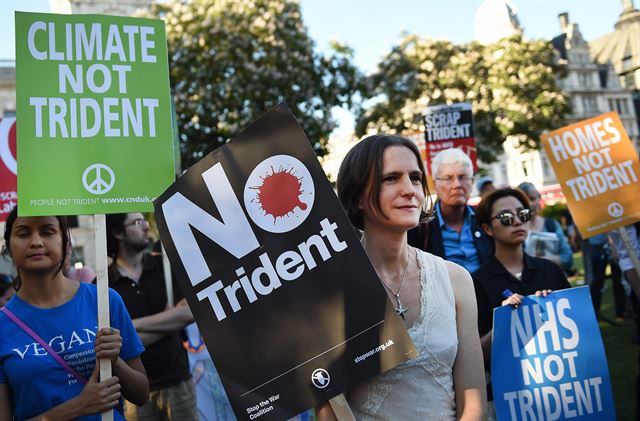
{"x": 548, "y": 361}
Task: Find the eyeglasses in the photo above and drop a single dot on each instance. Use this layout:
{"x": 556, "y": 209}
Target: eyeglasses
{"x": 507, "y": 218}
{"x": 463, "y": 179}
{"x": 139, "y": 222}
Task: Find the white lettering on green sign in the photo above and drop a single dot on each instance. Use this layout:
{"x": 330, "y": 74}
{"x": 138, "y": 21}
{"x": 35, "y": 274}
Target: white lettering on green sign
{"x": 86, "y": 117}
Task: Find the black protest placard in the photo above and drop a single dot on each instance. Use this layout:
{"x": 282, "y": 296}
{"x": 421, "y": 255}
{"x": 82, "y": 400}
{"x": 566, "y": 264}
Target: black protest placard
{"x": 287, "y": 301}
{"x": 449, "y": 126}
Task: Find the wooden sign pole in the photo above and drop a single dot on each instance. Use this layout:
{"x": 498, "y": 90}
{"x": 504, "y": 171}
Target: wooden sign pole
{"x": 168, "y": 281}
{"x": 341, "y": 408}
{"x": 100, "y": 227}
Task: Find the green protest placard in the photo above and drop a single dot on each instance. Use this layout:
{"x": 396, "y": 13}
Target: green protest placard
{"x": 93, "y": 103}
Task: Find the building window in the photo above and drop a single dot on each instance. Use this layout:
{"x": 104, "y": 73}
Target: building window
{"x": 627, "y": 60}
{"x": 622, "y": 106}
{"x": 546, "y": 168}
{"x": 575, "y": 104}
{"x": 629, "y": 81}
{"x": 585, "y": 80}
{"x": 612, "y": 106}
{"x": 590, "y": 104}
{"x": 504, "y": 171}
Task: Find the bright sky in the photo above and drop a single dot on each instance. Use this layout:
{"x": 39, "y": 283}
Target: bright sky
{"x": 372, "y": 27}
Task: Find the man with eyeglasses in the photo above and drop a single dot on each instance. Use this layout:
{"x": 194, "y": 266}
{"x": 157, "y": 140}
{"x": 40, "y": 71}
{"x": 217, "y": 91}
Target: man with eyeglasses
{"x": 453, "y": 233}
{"x": 139, "y": 278}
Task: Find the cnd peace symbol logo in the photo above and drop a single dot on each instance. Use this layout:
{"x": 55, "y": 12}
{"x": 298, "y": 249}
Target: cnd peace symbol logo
{"x": 98, "y": 179}
{"x": 615, "y": 209}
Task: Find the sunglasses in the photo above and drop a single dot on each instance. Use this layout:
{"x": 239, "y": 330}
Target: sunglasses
{"x": 507, "y": 218}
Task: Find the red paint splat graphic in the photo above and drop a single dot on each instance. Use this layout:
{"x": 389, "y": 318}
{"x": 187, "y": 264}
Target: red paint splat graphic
{"x": 12, "y": 141}
{"x": 279, "y": 193}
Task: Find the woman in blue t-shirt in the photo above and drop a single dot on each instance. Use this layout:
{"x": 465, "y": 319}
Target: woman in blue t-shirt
{"x": 63, "y": 315}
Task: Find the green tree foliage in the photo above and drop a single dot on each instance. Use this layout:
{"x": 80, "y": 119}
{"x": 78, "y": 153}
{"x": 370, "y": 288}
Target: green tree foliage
{"x": 511, "y": 84}
{"x": 232, "y": 60}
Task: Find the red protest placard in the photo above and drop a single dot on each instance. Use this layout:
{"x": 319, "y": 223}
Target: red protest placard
{"x": 450, "y": 126}
{"x": 8, "y": 166}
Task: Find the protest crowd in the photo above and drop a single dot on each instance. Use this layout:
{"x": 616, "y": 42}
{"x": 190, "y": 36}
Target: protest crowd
{"x": 445, "y": 281}
{"x": 459, "y": 290}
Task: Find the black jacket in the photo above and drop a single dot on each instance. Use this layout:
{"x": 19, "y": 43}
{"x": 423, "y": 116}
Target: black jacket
{"x": 428, "y": 237}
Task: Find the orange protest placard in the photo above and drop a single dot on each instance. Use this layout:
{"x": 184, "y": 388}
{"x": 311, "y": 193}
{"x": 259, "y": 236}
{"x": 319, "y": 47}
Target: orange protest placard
{"x": 598, "y": 169}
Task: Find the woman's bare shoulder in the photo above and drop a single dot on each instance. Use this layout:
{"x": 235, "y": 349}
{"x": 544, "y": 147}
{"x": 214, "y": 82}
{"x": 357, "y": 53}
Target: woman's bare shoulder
{"x": 460, "y": 281}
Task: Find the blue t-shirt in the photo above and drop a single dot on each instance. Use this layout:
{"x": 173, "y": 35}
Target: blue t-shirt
{"x": 37, "y": 382}
{"x": 460, "y": 247}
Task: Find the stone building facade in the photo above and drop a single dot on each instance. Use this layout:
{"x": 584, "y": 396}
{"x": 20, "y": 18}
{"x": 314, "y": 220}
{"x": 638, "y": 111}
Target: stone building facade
{"x": 7, "y": 87}
{"x": 593, "y": 88}
{"x": 621, "y": 48}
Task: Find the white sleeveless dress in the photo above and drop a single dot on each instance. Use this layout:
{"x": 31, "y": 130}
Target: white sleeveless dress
{"x": 422, "y": 388}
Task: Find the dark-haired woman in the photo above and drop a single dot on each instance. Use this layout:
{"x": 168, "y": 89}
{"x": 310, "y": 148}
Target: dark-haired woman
{"x": 504, "y": 215}
{"x": 51, "y": 314}
{"x": 382, "y": 186}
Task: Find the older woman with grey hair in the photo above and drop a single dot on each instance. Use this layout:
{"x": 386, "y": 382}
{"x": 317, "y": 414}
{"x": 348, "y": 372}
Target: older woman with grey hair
{"x": 546, "y": 238}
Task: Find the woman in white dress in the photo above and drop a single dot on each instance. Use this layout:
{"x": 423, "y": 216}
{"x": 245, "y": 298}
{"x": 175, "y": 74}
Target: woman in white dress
{"x": 382, "y": 186}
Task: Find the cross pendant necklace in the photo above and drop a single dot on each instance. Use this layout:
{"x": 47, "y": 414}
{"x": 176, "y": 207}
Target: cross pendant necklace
{"x": 400, "y": 309}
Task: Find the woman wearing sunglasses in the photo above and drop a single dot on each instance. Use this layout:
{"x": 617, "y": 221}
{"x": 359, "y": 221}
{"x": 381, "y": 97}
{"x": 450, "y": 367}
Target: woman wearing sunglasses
{"x": 504, "y": 215}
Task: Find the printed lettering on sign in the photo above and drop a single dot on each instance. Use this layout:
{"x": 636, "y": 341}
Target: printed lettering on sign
{"x": 279, "y": 205}
{"x": 598, "y": 169}
{"x": 449, "y": 126}
{"x": 270, "y": 265}
{"x": 94, "y": 93}
{"x": 543, "y": 366}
